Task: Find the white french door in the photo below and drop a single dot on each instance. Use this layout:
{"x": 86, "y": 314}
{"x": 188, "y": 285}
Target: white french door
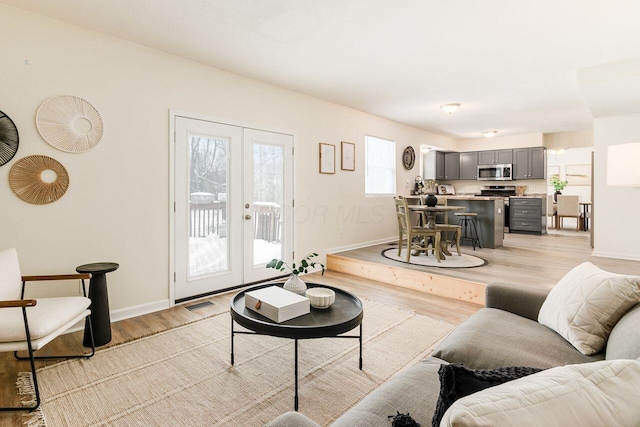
{"x": 268, "y": 201}
{"x": 233, "y": 205}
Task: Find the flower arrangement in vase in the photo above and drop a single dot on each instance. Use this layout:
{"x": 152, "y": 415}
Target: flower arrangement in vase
{"x": 294, "y": 283}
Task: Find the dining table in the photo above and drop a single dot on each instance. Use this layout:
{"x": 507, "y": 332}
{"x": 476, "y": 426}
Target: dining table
{"x": 431, "y": 212}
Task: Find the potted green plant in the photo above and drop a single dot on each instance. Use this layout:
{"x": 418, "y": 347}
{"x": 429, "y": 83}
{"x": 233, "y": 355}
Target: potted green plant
{"x": 294, "y": 283}
{"x": 558, "y": 185}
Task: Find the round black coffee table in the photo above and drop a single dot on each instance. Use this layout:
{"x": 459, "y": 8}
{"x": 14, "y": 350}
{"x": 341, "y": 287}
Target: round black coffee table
{"x": 344, "y": 315}
{"x": 100, "y": 317}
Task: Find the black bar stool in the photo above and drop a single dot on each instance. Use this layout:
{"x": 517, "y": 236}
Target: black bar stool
{"x": 469, "y": 231}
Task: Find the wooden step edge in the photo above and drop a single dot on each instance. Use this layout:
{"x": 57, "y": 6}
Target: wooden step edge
{"x": 428, "y": 282}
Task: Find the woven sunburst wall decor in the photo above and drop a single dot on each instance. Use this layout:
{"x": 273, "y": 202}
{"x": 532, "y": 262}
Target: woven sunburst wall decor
{"x": 25, "y": 179}
{"x": 8, "y": 139}
{"x": 69, "y": 123}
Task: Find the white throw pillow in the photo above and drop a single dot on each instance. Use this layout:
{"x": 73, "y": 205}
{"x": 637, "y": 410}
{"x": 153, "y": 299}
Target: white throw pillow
{"x": 586, "y": 303}
{"x": 597, "y": 394}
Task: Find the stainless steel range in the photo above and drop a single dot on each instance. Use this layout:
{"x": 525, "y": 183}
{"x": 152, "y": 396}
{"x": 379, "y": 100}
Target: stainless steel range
{"x": 505, "y": 191}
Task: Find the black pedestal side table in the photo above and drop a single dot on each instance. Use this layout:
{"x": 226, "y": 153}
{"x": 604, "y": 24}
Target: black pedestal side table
{"x": 100, "y": 318}
{"x": 344, "y": 315}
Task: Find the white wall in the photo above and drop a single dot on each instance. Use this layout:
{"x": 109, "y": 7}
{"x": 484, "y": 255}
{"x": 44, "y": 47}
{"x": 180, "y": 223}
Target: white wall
{"x": 571, "y": 156}
{"x": 500, "y": 142}
{"x": 117, "y": 205}
{"x": 612, "y": 92}
{"x": 565, "y": 140}
{"x": 616, "y": 235}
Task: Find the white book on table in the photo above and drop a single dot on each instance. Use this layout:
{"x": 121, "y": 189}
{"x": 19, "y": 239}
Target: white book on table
{"x": 277, "y": 304}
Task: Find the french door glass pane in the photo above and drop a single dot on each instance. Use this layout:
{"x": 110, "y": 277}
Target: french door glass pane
{"x": 208, "y": 210}
{"x": 268, "y": 197}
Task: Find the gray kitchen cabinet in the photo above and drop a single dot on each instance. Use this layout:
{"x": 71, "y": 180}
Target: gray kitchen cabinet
{"x": 440, "y": 165}
{"x": 529, "y": 163}
{"x": 469, "y": 165}
{"x": 447, "y": 166}
{"x": 527, "y": 215}
{"x": 538, "y": 162}
{"x": 495, "y": 157}
{"x": 451, "y": 166}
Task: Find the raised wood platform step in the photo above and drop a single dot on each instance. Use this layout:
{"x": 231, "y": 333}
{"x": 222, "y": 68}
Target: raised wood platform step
{"x": 449, "y": 287}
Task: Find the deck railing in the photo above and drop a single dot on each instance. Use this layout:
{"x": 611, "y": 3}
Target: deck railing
{"x": 211, "y": 218}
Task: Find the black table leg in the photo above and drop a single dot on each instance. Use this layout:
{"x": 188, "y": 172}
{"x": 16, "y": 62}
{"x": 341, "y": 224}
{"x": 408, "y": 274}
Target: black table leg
{"x": 360, "y": 362}
{"x": 100, "y": 317}
{"x": 232, "y": 341}
{"x": 295, "y": 399}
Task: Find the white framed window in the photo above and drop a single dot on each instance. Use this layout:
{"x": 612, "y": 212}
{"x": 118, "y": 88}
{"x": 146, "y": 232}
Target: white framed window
{"x": 380, "y": 166}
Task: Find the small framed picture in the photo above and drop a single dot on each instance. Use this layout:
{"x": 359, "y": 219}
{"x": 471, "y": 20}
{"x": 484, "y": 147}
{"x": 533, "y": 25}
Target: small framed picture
{"x": 327, "y": 158}
{"x": 348, "y": 162}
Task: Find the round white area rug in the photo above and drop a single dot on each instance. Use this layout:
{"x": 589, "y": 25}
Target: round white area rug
{"x": 453, "y": 261}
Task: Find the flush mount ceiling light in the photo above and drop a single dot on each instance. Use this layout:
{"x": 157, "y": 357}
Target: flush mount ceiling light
{"x": 450, "y": 108}
{"x": 489, "y": 133}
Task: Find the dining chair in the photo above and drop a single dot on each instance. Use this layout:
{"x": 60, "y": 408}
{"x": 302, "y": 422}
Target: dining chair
{"x": 552, "y": 210}
{"x": 417, "y": 218}
{"x": 453, "y": 230}
{"x": 30, "y": 324}
{"x": 568, "y": 207}
{"x": 408, "y": 232}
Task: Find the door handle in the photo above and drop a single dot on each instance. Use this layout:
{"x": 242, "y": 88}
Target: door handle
{"x": 247, "y": 216}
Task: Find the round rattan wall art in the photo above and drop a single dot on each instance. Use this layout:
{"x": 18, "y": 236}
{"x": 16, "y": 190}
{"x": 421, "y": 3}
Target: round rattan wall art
{"x": 38, "y": 179}
{"x": 69, "y": 123}
{"x": 8, "y": 139}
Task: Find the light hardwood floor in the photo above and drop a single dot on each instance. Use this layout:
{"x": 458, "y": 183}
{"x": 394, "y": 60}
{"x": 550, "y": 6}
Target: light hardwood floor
{"x": 531, "y": 260}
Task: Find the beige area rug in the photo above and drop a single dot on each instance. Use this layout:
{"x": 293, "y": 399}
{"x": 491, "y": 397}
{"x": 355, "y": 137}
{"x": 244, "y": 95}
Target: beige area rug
{"x": 183, "y": 376}
{"x": 452, "y": 261}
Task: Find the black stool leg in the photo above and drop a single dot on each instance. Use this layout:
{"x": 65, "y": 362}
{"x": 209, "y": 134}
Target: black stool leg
{"x": 476, "y": 239}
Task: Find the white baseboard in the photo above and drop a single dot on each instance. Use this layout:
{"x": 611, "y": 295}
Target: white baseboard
{"x": 615, "y": 255}
{"x": 360, "y": 245}
{"x": 129, "y": 312}
{"x": 139, "y": 310}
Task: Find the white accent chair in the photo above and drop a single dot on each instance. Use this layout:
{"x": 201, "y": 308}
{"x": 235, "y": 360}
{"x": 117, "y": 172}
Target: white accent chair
{"x": 30, "y": 324}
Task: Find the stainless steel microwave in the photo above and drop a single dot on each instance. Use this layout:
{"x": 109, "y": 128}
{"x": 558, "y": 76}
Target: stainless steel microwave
{"x": 495, "y": 172}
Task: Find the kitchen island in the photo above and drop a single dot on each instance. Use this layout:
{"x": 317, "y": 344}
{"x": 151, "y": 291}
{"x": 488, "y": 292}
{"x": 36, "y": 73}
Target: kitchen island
{"x": 490, "y": 220}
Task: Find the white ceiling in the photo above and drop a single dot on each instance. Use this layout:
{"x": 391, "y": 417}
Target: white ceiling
{"x": 511, "y": 63}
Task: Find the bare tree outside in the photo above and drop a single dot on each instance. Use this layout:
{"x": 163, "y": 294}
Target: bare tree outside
{"x": 268, "y": 163}
{"x": 208, "y": 166}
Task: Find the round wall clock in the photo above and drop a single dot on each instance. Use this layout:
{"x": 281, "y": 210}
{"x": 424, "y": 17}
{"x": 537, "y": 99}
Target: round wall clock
{"x": 8, "y": 139}
{"x": 409, "y": 158}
